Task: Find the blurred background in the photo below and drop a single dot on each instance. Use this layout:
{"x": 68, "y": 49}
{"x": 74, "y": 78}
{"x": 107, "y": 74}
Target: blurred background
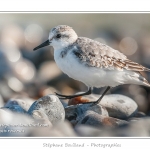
{"x": 25, "y": 73}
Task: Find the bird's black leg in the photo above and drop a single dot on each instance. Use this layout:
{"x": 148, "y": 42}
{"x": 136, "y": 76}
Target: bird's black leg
{"x": 96, "y": 102}
{"x": 76, "y": 95}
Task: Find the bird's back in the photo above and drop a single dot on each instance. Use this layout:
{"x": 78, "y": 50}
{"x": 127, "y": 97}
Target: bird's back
{"x": 95, "y": 54}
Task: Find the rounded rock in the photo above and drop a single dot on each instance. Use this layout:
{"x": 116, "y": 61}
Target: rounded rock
{"x": 75, "y": 113}
{"x": 96, "y": 120}
{"x": 48, "y": 107}
{"x": 17, "y": 105}
{"x": 118, "y": 106}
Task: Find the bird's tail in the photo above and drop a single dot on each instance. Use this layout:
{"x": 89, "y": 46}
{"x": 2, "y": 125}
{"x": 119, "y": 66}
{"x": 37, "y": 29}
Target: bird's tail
{"x": 142, "y": 77}
{"x": 144, "y": 81}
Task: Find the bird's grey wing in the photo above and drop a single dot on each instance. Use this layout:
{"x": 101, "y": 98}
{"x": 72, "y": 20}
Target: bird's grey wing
{"x": 96, "y": 54}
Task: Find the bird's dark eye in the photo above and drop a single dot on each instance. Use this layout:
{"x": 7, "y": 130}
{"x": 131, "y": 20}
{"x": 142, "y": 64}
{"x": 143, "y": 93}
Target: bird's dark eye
{"x": 58, "y": 36}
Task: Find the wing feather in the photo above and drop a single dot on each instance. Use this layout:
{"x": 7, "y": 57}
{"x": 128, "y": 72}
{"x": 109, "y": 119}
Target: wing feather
{"x": 96, "y": 54}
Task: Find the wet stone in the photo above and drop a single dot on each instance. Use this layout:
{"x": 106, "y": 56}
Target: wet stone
{"x": 75, "y": 113}
{"x": 48, "y": 107}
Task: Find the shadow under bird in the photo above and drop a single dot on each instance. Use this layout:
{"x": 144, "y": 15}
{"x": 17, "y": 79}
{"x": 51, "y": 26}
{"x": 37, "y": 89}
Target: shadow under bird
{"x": 91, "y": 62}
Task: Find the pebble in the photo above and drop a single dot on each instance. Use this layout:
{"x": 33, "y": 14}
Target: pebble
{"x": 140, "y": 114}
{"x": 44, "y": 73}
{"x": 118, "y": 106}
{"x": 48, "y": 107}
{"x": 17, "y": 105}
{"x": 138, "y": 128}
{"x": 14, "y": 124}
{"x": 1, "y": 101}
{"x": 75, "y": 113}
{"x": 93, "y": 119}
{"x": 87, "y": 131}
{"x": 61, "y": 129}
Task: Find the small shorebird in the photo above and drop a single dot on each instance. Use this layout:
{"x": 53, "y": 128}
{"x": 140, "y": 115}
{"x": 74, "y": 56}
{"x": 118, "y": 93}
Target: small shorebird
{"x": 91, "y": 62}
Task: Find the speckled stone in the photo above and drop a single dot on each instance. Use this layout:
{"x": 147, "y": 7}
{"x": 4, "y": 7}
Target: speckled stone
{"x": 75, "y": 113}
{"x": 118, "y": 106}
{"x": 48, "y": 107}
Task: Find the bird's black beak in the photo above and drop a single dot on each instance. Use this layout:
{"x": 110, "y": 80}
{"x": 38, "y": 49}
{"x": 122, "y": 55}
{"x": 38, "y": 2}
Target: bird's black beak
{"x": 46, "y": 43}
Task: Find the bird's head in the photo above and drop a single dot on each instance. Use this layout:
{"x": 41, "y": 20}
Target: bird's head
{"x": 59, "y": 37}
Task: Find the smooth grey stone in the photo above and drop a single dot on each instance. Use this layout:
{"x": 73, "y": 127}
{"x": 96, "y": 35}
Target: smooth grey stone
{"x": 16, "y": 105}
{"x": 74, "y": 113}
{"x": 93, "y": 119}
{"x": 48, "y": 107}
{"x": 118, "y": 106}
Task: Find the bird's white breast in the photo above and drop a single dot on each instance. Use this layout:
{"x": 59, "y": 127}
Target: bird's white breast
{"x": 69, "y": 64}
{"x": 92, "y": 76}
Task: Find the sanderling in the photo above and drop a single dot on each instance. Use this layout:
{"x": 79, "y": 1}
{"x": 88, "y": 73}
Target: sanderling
{"x": 91, "y": 62}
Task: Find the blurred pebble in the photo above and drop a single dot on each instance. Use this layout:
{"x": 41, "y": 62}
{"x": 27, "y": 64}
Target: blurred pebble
{"x": 142, "y": 126}
{"x": 79, "y": 100}
{"x": 48, "y": 107}
{"x": 5, "y": 91}
{"x": 28, "y": 101}
{"x": 87, "y": 131}
{"x": 140, "y": 114}
{"x": 16, "y": 105}
{"x": 93, "y": 119}
{"x": 137, "y": 128}
{"x": 62, "y": 129}
{"x": 75, "y": 113}
{"x": 48, "y": 70}
{"x": 14, "y": 124}
{"x": 1, "y": 101}
{"x": 118, "y": 106}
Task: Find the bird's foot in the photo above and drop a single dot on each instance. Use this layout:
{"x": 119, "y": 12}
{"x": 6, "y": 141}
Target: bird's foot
{"x": 76, "y": 95}
{"x": 92, "y": 103}
{"x": 66, "y": 96}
